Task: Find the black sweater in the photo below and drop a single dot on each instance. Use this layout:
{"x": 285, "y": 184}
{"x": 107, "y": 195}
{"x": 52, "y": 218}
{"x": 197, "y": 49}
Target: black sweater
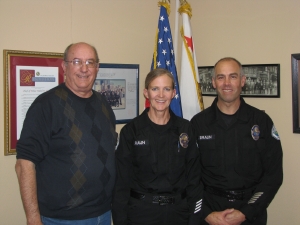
{"x": 71, "y": 141}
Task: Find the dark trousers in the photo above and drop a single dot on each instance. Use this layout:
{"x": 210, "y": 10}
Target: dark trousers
{"x": 217, "y": 203}
{"x": 146, "y": 213}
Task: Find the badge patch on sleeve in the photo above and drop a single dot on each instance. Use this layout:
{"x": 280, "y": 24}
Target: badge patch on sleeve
{"x": 275, "y": 133}
{"x": 184, "y": 140}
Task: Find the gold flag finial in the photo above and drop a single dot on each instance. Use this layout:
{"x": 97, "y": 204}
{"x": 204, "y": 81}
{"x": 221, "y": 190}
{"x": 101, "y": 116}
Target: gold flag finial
{"x": 183, "y": 2}
{"x": 165, "y": 4}
{"x": 185, "y": 8}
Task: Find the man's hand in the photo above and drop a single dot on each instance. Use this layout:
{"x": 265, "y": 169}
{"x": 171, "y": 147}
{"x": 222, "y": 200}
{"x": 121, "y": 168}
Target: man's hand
{"x": 218, "y": 218}
{"x": 235, "y": 217}
{"x": 35, "y": 221}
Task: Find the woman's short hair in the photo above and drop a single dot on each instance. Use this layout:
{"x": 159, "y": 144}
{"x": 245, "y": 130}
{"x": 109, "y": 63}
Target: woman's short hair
{"x": 156, "y": 73}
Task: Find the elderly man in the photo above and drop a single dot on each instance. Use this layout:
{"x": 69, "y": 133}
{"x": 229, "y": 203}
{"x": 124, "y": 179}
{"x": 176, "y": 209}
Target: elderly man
{"x": 65, "y": 154}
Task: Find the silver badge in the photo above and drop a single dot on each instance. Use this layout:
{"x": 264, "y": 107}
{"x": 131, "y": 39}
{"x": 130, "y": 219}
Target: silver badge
{"x": 184, "y": 140}
{"x": 255, "y": 132}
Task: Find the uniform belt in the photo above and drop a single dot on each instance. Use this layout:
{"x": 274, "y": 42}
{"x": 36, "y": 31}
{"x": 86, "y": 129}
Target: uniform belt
{"x": 158, "y": 199}
{"x": 230, "y": 195}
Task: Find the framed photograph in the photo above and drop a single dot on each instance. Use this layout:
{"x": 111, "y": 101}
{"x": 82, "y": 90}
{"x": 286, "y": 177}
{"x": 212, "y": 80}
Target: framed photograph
{"x": 26, "y": 74}
{"x": 296, "y": 92}
{"x": 119, "y": 84}
{"x": 262, "y": 81}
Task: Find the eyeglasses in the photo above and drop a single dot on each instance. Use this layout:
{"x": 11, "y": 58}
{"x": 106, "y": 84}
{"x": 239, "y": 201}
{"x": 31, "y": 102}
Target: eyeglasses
{"x": 90, "y": 63}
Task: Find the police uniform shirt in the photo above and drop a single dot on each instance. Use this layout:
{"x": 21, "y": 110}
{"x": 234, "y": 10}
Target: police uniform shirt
{"x": 246, "y": 154}
{"x": 154, "y": 158}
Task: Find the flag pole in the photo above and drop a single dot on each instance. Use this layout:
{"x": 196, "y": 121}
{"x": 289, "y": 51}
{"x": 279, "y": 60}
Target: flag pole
{"x": 176, "y": 28}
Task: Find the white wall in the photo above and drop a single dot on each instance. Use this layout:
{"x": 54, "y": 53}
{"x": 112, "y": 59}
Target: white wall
{"x": 255, "y": 32}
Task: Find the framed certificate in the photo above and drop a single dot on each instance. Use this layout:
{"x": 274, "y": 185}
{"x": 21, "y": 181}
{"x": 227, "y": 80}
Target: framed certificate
{"x": 27, "y": 74}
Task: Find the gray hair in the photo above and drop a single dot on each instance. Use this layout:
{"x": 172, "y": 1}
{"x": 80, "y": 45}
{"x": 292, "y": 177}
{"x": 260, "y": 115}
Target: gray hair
{"x": 227, "y": 59}
{"x": 66, "y": 52}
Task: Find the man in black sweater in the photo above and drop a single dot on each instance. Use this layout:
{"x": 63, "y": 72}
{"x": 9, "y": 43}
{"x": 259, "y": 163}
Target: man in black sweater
{"x": 65, "y": 154}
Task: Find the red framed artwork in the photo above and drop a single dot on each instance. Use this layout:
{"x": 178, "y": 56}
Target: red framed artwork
{"x": 27, "y": 74}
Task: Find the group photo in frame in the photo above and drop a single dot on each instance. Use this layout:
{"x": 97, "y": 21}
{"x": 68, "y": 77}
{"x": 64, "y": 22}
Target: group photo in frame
{"x": 27, "y": 74}
{"x": 295, "y": 60}
{"x": 119, "y": 84}
{"x": 262, "y": 80}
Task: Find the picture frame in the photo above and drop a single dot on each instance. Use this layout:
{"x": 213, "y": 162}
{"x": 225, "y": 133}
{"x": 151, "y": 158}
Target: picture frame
{"x": 119, "y": 83}
{"x": 295, "y": 61}
{"x": 262, "y": 80}
{"x": 26, "y": 75}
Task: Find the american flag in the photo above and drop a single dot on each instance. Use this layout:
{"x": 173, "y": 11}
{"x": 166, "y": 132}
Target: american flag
{"x": 164, "y": 57}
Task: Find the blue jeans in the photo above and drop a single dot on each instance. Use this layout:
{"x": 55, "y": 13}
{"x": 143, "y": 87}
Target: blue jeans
{"x": 104, "y": 219}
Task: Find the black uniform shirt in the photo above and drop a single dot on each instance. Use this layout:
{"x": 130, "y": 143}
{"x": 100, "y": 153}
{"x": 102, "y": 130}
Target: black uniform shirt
{"x": 246, "y": 154}
{"x": 150, "y": 159}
